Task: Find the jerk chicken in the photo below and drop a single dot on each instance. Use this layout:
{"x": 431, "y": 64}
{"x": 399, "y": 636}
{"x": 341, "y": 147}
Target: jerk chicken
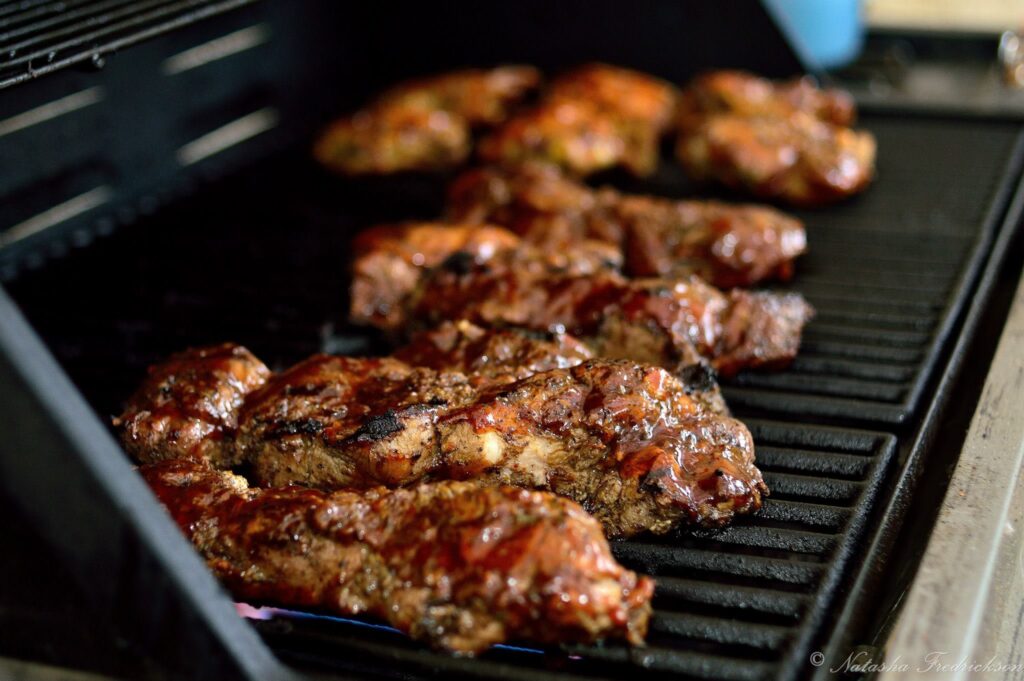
{"x": 788, "y": 141}
{"x": 424, "y": 125}
{"x": 591, "y": 119}
{"x": 727, "y": 245}
{"x": 457, "y": 565}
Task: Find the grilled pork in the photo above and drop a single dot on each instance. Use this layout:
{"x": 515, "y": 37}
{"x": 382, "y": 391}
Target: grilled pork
{"x": 747, "y": 95}
{"x": 496, "y": 356}
{"x": 457, "y": 565}
{"x": 423, "y": 125}
{"x": 390, "y": 261}
{"x": 625, "y": 440}
{"x": 188, "y": 405}
{"x": 728, "y": 245}
{"x": 665, "y": 322}
{"x": 591, "y": 119}
{"x": 787, "y": 141}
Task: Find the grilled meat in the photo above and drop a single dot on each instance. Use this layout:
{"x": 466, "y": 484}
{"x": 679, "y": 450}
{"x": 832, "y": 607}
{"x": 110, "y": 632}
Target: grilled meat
{"x": 392, "y": 139}
{"x": 188, "y": 405}
{"x": 630, "y": 95}
{"x": 666, "y": 322}
{"x": 798, "y": 159}
{"x": 728, "y": 245}
{"x": 575, "y": 134}
{"x": 495, "y": 356}
{"x": 457, "y": 565}
{"x": 482, "y": 97}
{"x": 390, "y": 260}
{"x": 788, "y": 141}
{"x": 625, "y": 440}
{"x": 424, "y": 125}
{"x": 747, "y": 95}
{"x": 492, "y": 356}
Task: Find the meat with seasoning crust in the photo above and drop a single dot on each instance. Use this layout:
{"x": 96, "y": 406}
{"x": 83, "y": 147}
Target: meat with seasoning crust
{"x": 390, "y": 260}
{"x": 627, "y": 441}
{"x": 457, "y": 565}
{"x": 787, "y": 141}
{"x": 666, "y": 322}
{"x": 188, "y": 405}
{"x": 424, "y": 125}
{"x": 494, "y": 356}
{"x": 728, "y": 245}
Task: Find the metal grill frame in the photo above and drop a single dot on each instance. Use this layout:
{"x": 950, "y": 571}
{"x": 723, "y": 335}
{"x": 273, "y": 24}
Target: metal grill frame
{"x": 201, "y": 636}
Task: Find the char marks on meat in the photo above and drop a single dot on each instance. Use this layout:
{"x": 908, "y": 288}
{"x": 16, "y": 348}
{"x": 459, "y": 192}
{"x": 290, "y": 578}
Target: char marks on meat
{"x": 457, "y": 565}
{"x": 629, "y": 442}
{"x": 188, "y": 405}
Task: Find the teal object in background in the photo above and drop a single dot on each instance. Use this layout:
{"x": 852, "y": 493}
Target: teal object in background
{"x": 826, "y": 33}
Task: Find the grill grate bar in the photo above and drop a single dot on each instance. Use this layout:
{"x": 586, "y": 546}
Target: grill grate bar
{"x": 778, "y": 603}
{"x": 91, "y": 14}
{"x": 721, "y": 630}
{"x": 49, "y": 45}
{"x": 820, "y": 385}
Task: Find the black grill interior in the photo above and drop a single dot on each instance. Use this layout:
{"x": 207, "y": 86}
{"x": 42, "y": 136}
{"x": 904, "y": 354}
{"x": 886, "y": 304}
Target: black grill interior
{"x": 40, "y": 36}
{"x": 260, "y": 258}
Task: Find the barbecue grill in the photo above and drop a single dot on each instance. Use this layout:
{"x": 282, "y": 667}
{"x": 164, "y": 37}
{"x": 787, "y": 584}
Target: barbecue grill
{"x": 161, "y": 196}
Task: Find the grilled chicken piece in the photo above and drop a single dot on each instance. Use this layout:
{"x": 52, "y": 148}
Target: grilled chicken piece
{"x": 492, "y": 356}
{"x": 392, "y": 139}
{"x": 574, "y": 134}
{"x": 188, "y": 405}
{"x": 390, "y": 260}
{"x": 630, "y": 95}
{"x": 593, "y": 118}
{"x": 666, "y": 322}
{"x": 495, "y": 356}
{"x": 482, "y": 97}
{"x": 744, "y": 94}
{"x": 424, "y": 125}
{"x": 625, "y": 440}
{"x": 798, "y": 159}
{"x": 459, "y": 566}
{"x": 728, "y": 245}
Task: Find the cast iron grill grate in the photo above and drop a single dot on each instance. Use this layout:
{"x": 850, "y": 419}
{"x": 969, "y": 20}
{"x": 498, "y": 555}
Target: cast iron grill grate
{"x": 887, "y": 272}
{"x": 41, "y": 36}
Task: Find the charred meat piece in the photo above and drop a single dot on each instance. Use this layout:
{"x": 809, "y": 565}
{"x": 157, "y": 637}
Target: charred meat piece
{"x": 482, "y": 97}
{"x": 492, "y": 356}
{"x": 392, "y": 139}
{"x": 627, "y": 441}
{"x": 630, "y": 95}
{"x": 577, "y": 135}
{"x": 728, "y": 245}
{"x": 799, "y": 159}
{"x": 459, "y": 566}
{"x": 424, "y": 125}
{"x": 666, "y": 322}
{"x": 390, "y": 260}
{"x": 744, "y": 94}
{"x": 348, "y": 422}
{"x": 188, "y": 405}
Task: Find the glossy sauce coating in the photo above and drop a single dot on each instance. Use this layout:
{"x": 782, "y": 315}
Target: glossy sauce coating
{"x": 457, "y": 565}
{"x": 728, "y": 245}
{"x": 656, "y": 321}
{"x": 188, "y": 405}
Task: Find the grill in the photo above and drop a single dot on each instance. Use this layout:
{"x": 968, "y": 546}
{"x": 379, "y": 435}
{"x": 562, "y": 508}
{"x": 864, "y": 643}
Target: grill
{"x": 229, "y": 251}
{"x": 41, "y": 36}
